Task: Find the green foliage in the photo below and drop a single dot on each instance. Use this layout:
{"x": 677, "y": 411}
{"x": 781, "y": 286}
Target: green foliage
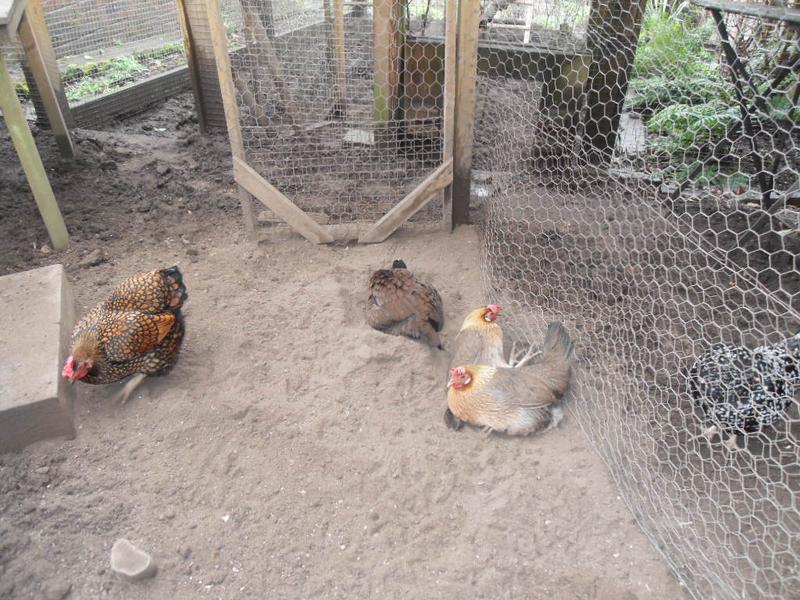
{"x": 678, "y": 44}
{"x": 94, "y": 79}
{"x": 23, "y": 91}
{"x": 683, "y": 126}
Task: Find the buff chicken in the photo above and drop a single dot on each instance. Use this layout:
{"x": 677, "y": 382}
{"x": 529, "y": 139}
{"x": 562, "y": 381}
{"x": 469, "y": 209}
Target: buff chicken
{"x": 480, "y": 341}
{"x": 516, "y": 401}
{"x": 136, "y": 332}
{"x": 742, "y": 391}
{"x": 400, "y": 304}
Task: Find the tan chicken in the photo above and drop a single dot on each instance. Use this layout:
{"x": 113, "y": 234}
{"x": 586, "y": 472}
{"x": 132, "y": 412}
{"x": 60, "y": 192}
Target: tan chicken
{"x": 137, "y": 331}
{"x": 399, "y": 304}
{"x": 480, "y": 341}
{"x": 518, "y": 401}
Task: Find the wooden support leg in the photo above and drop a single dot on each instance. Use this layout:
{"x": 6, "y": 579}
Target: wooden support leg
{"x": 31, "y": 161}
{"x": 41, "y": 61}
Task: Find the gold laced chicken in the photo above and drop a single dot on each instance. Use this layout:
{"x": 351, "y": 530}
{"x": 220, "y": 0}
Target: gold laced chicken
{"x": 136, "y": 332}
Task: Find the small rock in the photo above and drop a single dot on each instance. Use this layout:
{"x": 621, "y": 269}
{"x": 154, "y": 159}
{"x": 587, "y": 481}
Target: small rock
{"x": 162, "y": 169}
{"x": 185, "y": 552}
{"x": 215, "y": 577}
{"x": 45, "y": 249}
{"x": 94, "y": 258}
{"x": 192, "y": 252}
{"x": 131, "y": 563}
{"x": 57, "y": 590}
{"x": 43, "y": 470}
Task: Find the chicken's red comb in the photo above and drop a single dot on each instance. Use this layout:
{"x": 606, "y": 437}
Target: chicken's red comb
{"x": 495, "y": 308}
{"x": 68, "y": 371}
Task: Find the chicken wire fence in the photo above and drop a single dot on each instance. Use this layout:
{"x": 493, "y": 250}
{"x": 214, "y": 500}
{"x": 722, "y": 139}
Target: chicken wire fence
{"x": 638, "y": 179}
{"x": 340, "y": 104}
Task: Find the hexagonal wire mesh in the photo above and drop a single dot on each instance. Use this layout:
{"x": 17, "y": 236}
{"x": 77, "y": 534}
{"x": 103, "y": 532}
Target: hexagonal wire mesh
{"x": 653, "y": 241}
{"x": 341, "y": 103}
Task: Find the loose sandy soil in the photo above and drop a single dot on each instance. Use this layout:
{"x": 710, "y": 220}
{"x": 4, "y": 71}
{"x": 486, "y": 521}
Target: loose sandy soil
{"x": 293, "y": 452}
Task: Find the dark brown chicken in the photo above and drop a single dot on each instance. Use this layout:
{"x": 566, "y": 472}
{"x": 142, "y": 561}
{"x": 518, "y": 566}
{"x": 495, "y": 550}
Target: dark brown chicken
{"x": 137, "y": 331}
{"x": 399, "y": 304}
{"x": 518, "y": 401}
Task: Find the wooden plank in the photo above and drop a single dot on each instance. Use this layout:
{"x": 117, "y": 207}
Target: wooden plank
{"x": 339, "y": 56}
{"x": 11, "y": 12}
{"x": 130, "y": 100}
{"x": 259, "y": 42}
{"x": 469, "y": 16}
{"x": 752, "y": 9}
{"x": 386, "y": 45}
{"x": 219, "y": 41}
{"x": 41, "y": 60}
{"x": 189, "y": 45}
{"x": 411, "y": 204}
{"x": 31, "y": 161}
{"x": 279, "y": 204}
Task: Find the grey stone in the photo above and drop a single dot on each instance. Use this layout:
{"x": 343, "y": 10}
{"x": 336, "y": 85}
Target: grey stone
{"x": 35, "y": 328}
{"x": 57, "y": 590}
{"x": 131, "y": 563}
{"x": 94, "y": 258}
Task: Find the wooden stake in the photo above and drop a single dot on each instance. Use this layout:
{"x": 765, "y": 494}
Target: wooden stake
{"x": 259, "y": 40}
{"x": 448, "y": 116}
{"x": 219, "y": 41}
{"x": 31, "y": 161}
{"x": 42, "y": 62}
{"x": 417, "y": 199}
{"x": 194, "y": 68}
{"x": 386, "y": 46}
{"x": 469, "y": 15}
{"x": 339, "y": 54}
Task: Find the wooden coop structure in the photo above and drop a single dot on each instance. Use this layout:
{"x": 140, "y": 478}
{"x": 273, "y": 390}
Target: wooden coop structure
{"x": 361, "y": 85}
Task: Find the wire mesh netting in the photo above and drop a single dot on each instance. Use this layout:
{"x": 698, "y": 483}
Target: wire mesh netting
{"x": 341, "y": 103}
{"x": 639, "y": 180}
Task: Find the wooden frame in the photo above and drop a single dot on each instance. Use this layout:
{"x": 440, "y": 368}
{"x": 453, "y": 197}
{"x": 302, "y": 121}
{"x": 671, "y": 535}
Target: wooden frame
{"x": 251, "y": 184}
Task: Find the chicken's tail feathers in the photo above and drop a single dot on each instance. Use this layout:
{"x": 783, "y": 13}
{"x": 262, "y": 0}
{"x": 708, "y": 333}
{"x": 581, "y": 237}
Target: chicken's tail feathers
{"x": 174, "y": 281}
{"x": 557, "y": 343}
{"x": 399, "y": 264}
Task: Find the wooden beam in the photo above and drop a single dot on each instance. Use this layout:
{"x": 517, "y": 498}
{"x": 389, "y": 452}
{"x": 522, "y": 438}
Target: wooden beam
{"x": 449, "y": 101}
{"x": 279, "y": 204}
{"x": 469, "y": 16}
{"x": 386, "y": 46}
{"x": 259, "y": 42}
{"x": 410, "y": 205}
{"x": 219, "y": 41}
{"x": 41, "y": 60}
{"x": 339, "y": 56}
{"x": 190, "y": 44}
{"x": 31, "y": 161}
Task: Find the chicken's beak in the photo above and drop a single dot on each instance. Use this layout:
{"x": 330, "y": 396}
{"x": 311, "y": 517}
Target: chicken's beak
{"x": 450, "y": 383}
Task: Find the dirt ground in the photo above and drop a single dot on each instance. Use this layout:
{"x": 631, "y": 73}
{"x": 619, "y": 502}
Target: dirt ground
{"x": 293, "y": 452}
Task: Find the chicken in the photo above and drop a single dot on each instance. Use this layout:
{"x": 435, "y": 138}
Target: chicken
{"x": 491, "y": 9}
{"x": 137, "y": 331}
{"x": 480, "y": 341}
{"x": 742, "y": 391}
{"x": 511, "y": 400}
{"x": 399, "y": 304}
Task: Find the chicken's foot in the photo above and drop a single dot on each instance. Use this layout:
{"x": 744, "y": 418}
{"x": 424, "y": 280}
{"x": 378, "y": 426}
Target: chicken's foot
{"x": 129, "y": 387}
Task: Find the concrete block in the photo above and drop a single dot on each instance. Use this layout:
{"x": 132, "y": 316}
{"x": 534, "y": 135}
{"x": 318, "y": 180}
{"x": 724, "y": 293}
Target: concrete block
{"x": 37, "y": 313}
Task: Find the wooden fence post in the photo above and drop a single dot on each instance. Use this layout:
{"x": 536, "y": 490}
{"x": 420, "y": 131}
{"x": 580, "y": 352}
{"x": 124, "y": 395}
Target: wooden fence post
{"x": 219, "y": 41}
{"x": 469, "y": 15}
